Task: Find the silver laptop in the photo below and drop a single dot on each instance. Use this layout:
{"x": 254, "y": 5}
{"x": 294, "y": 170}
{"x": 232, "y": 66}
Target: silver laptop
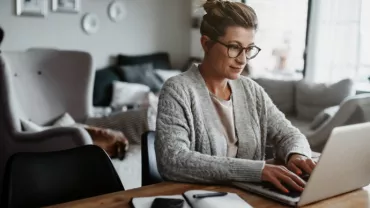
{"x": 344, "y": 166}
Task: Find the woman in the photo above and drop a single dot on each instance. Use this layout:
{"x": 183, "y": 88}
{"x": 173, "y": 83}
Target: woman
{"x": 213, "y": 124}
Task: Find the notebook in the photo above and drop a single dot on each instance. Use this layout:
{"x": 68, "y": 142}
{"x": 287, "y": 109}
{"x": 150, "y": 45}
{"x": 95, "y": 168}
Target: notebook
{"x": 229, "y": 200}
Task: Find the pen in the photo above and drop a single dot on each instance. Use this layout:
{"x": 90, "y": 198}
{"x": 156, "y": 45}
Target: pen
{"x": 200, "y": 196}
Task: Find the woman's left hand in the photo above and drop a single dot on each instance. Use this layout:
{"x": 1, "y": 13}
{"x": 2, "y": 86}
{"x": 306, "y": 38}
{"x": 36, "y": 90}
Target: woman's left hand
{"x": 299, "y": 163}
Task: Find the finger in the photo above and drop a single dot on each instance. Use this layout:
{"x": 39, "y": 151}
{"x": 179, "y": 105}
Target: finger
{"x": 289, "y": 181}
{"x": 304, "y": 166}
{"x": 278, "y": 185}
{"x": 311, "y": 163}
{"x": 294, "y": 177}
{"x": 292, "y": 167}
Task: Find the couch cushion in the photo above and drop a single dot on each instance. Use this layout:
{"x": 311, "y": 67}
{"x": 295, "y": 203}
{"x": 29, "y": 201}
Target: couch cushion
{"x": 302, "y": 125}
{"x": 160, "y": 60}
{"x": 141, "y": 74}
{"x": 190, "y": 62}
{"x": 281, "y": 92}
{"x": 311, "y": 98}
{"x": 104, "y": 78}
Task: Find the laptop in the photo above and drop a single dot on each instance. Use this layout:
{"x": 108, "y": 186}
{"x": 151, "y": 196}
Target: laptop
{"x": 344, "y": 166}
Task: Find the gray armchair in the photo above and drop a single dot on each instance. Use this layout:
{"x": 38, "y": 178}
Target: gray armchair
{"x": 39, "y": 85}
{"x": 355, "y": 109}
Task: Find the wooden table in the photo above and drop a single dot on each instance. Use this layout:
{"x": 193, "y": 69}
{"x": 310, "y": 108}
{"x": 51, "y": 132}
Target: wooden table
{"x": 358, "y": 198}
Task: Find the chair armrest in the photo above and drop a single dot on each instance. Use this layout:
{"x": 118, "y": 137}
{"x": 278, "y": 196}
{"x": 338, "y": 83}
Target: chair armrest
{"x": 78, "y": 135}
{"x": 347, "y": 109}
{"x": 318, "y": 138}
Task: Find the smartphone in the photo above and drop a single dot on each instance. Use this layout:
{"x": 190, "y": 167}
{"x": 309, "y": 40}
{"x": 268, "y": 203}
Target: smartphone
{"x": 167, "y": 203}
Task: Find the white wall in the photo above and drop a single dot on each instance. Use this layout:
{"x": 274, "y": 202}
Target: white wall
{"x": 151, "y": 25}
{"x": 197, "y": 11}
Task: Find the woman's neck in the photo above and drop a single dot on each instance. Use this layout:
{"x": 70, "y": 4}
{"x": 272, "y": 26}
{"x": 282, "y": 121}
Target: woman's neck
{"x": 216, "y": 85}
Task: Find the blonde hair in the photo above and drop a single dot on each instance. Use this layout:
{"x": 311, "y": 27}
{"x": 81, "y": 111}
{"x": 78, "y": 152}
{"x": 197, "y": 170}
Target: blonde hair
{"x": 222, "y": 14}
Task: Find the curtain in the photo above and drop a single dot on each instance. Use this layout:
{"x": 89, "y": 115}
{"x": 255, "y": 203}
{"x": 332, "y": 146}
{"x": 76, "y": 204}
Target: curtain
{"x": 336, "y": 40}
{"x": 364, "y": 70}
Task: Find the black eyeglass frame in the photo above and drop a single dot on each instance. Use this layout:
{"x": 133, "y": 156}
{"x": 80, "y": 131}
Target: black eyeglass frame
{"x": 228, "y": 46}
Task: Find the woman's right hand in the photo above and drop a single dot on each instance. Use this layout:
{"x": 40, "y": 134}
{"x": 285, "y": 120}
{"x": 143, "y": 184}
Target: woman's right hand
{"x": 279, "y": 176}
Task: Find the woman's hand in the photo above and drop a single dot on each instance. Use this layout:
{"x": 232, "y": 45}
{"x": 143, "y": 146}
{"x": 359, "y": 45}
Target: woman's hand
{"x": 300, "y": 163}
{"x": 281, "y": 177}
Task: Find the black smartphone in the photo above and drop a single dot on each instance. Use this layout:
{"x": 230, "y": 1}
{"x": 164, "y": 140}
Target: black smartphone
{"x": 167, "y": 203}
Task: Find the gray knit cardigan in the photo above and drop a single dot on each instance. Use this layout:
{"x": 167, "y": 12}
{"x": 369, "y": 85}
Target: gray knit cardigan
{"x": 190, "y": 145}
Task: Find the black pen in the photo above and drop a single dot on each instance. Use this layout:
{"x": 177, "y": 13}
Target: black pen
{"x": 200, "y": 196}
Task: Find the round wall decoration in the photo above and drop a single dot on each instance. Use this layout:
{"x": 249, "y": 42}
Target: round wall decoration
{"x": 90, "y": 23}
{"x": 116, "y": 11}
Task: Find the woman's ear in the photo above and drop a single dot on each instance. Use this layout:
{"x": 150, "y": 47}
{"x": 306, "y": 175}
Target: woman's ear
{"x": 206, "y": 43}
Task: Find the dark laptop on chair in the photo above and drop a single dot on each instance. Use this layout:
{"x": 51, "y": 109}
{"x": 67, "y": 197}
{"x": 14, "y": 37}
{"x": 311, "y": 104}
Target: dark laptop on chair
{"x": 346, "y": 154}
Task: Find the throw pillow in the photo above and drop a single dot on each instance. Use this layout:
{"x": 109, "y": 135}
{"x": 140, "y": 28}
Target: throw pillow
{"x": 323, "y": 116}
{"x": 312, "y": 98}
{"x": 102, "y": 94}
{"x": 30, "y": 126}
{"x": 166, "y": 74}
{"x": 159, "y": 60}
{"x": 64, "y": 120}
{"x": 101, "y": 111}
{"x": 141, "y": 74}
{"x": 128, "y": 94}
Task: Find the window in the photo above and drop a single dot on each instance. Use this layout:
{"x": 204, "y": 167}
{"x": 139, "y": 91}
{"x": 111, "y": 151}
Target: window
{"x": 364, "y": 70}
{"x": 281, "y": 36}
{"x": 341, "y": 46}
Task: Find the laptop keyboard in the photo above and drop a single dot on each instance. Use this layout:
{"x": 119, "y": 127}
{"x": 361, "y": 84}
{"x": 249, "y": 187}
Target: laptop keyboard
{"x": 292, "y": 192}
{"x": 270, "y": 187}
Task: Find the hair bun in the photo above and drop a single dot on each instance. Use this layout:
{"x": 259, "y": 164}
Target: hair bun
{"x": 210, "y": 5}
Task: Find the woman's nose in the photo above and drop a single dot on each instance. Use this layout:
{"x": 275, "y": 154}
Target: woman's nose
{"x": 242, "y": 58}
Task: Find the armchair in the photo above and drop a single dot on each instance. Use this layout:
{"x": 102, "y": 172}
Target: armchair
{"x": 39, "y": 85}
{"x": 354, "y": 109}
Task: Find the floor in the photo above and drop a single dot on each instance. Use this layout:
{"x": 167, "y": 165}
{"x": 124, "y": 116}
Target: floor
{"x": 129, "y": 169}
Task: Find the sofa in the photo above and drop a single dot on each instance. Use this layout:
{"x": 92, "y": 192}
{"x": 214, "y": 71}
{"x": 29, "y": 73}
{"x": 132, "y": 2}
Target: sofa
{"x": 316, "y": 108}
{"x": 125, "y": 94}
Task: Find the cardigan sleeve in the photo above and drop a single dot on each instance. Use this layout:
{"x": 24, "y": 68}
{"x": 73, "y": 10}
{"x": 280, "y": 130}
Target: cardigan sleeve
{"x": 286, "y": 138}
{"x": 176, "y": 161}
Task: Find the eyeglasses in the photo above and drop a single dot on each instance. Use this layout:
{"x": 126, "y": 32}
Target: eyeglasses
{"x": 234, "y": 50}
